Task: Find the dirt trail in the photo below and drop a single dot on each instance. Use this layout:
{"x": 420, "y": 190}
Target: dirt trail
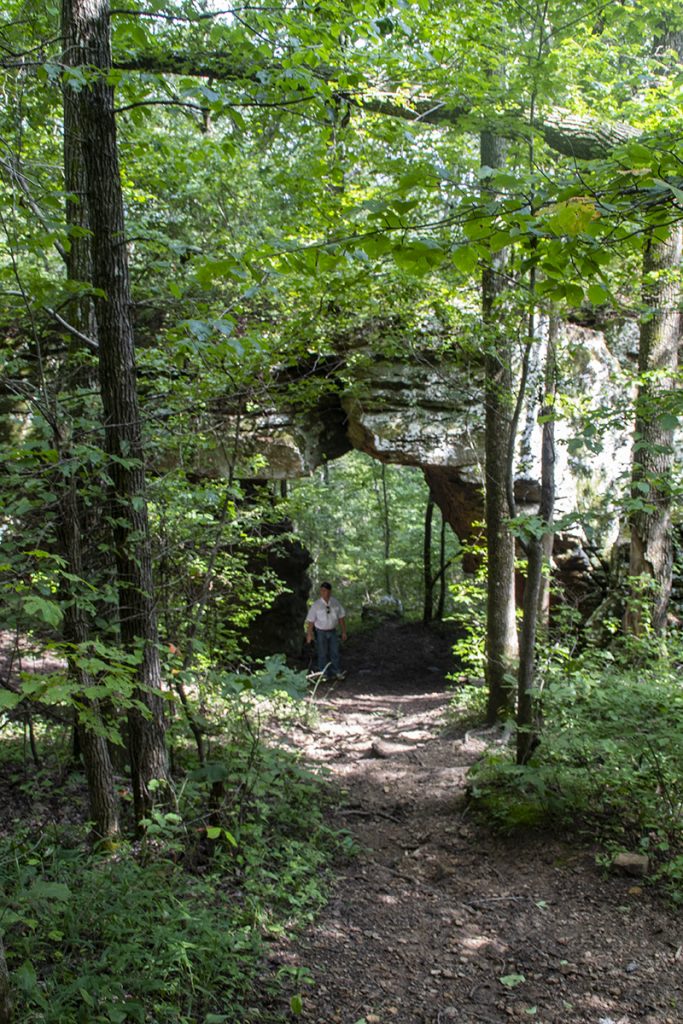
{"x": 437, "y": 920}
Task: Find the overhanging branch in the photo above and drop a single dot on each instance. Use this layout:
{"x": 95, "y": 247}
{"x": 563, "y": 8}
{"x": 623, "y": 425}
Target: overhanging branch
{"x": 582, "y": 138}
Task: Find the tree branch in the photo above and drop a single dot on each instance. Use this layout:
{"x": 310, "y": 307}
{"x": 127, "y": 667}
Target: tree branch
{"x": 582, "y": 138}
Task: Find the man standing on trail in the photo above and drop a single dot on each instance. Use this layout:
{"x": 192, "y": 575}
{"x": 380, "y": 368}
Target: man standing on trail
{"x": 323, "y": 617}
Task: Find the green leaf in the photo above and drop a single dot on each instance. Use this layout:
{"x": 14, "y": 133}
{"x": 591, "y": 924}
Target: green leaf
{"x": 574, "y": 294}
{"x": 296, "y": 1004}
{"x": 50, "y": 891}
{"x": 219, "y": 270}
{"x": 512, "y": 980}
{"x": 499, "y": 240}
{"x": 597, "y": 294}
{"x": 419, "y": 256}
{"x": 26, "y": 978}
{"x": 477, "y": 229}
{"x": 48, "y": 611}
{"x": 571, "y": 217}
{"x": 638, "y": 155}
{"x": 376, "y": 245}
{"x": 86, "y": 997}
{"x": 465, "y": 258}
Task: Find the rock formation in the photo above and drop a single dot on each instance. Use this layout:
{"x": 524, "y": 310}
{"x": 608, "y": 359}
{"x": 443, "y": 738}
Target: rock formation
{"x": 426, "y": 411}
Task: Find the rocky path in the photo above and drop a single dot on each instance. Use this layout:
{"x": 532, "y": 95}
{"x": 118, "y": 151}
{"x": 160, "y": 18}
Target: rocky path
{"x": 438, "y": 920}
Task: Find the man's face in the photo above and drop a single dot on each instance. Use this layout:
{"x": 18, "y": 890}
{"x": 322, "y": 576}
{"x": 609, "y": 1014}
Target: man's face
{"x": 325, "y": 594}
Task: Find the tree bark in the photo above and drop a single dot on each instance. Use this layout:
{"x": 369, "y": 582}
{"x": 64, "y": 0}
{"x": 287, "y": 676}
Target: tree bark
{"x": 104, "y": 805}
{"x": 501, "y": 631}
{"x": 661, "y": 331}
{"x": 118, "y": 388}
{"x": 73, "y": 525}
{"x": 78, "y": 256}
{"x": 651, "y": 549}
{"x": 536, "y": 557}
{"x": 427, "y": 562}
{"x": 441, "y": 603}
{"x": 383, "y": 506}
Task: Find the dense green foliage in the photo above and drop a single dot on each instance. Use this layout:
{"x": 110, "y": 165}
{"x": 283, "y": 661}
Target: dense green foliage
{"x": 304, "y": 193}
{"x": 609, "y": 764}
{"x": 347, "y": 513}
{"x": 171, "y": 928}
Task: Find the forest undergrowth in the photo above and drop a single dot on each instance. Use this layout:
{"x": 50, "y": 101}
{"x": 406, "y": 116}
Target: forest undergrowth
{"x": 175, "y": 924}
{"x": 171, "y": 926}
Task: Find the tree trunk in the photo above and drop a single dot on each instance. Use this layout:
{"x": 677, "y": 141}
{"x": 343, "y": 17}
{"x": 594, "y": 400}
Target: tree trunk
{"x": 536, "y": 557}
{"x": 118, "y": 387}
{"x": 427, "y": 562}
{"x": 501, "y": 631}
{"x": 383, "y": 505}
{"x": 651, "y": 551}
{"x": 441, "y": 604}
{"x": 89, "y": 742}
{"x": 661, "y": 328}
{"x": 78, "y": 256}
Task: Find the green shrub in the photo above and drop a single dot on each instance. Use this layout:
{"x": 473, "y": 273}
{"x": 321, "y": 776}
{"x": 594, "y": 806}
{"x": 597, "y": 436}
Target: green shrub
{"x": 610, "y": 758}
{"x": 170, "y": 928}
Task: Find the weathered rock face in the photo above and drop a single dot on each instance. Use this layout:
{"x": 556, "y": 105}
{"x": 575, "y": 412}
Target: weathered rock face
{"x": 416, "y": 415}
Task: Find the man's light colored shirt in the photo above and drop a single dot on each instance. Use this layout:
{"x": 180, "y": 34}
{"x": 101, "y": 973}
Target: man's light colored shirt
{"x": 325, "y": 616}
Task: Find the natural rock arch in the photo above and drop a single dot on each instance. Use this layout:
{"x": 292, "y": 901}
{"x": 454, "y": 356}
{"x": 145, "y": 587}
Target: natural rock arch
{"x": 421, "y": 411}
{"x": 425, "y": 411}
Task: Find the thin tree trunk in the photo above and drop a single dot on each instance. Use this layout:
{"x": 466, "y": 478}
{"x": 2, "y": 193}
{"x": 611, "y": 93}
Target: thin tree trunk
{"x": 118, "y": 387}
{"x": 94, "y": 749}
{"x": 661, "y": 330}
{"x": 442, "y": 571}
{"x": 383, "y": 503}
{"x": 78, "y": 256}
{"x": 536, "y": 557}
{"x": 427, "y": 562}
{"x": 651, "y": 550}
{"x": 501, "y": 632}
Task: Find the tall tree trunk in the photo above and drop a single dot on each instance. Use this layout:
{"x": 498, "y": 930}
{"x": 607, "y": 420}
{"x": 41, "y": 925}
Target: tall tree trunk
{"x": 90, "y": 741}
{"x": 651, "y": 550}
{"x": 383, "y": 504}
{"x": 501, "y": 632}
{"x": 661, "y": 328}
{"x": 441, "y": 603}
{"x": 118, "y": 387}
{"x": 536, "y": 557}
{"x": 427, "y": 562}
{"x": 78, "y": 256}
